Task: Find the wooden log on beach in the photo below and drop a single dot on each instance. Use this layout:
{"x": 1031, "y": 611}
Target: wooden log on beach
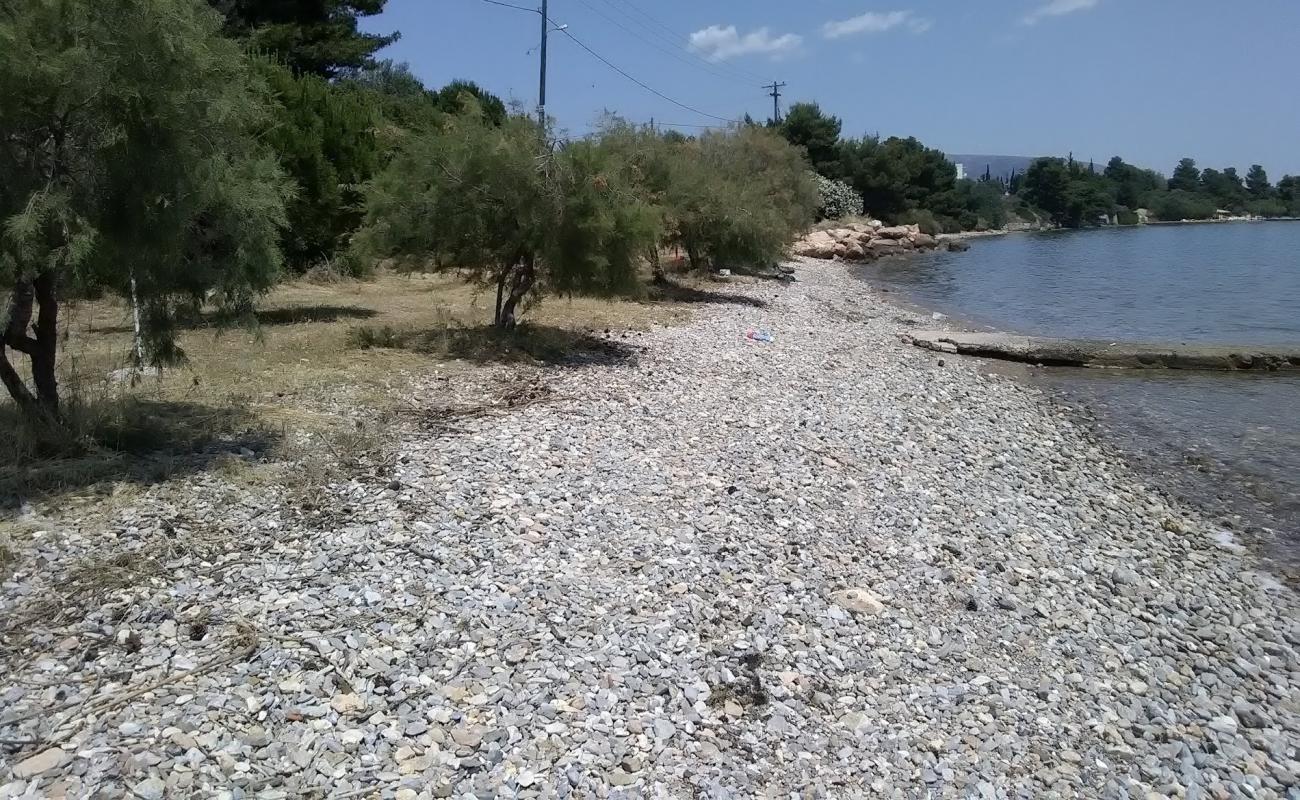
{"x": 1108, "y": 355}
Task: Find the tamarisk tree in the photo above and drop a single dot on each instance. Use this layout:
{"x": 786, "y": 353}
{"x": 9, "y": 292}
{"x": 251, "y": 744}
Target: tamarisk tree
{"x": 500, "y": 205}
{"x": 129, "y": 158}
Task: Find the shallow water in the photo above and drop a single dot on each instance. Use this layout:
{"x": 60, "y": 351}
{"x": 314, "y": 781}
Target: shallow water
{"x": 1230, "y": 440}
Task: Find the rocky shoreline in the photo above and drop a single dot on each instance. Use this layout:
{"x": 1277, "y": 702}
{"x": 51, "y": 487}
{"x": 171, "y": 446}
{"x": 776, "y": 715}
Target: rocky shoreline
{"x": 828, "y": 564}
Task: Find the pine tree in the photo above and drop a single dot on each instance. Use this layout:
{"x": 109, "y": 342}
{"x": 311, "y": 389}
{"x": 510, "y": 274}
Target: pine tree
{"x": 320, "y": 37}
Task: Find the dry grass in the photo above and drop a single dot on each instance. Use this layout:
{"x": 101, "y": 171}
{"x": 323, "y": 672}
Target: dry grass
{"x": 325, "y": 356}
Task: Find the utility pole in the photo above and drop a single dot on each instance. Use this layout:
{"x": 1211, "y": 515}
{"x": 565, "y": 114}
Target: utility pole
{"x": 776, "y": 100}
{"x": 541, "y": 85}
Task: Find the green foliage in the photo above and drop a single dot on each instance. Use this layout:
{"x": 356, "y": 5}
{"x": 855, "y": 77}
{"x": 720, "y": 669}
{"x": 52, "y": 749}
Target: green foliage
{"x": 1187, "y": 177}
{"x": 1257, "y": 183}
{"x": 320, "y": 37}
{"x": 131, "y": 154}
{"x": 899, "y": 175}
{"x": 838, "y": 199}
{"x": 1271, "y": 207}
{"x": 324, "y": 136}
{"x": 1225, "y": 188}
{"x": 1070, "y": 195}
{"x": 1126, "y": 216}
{"x": 818, "y": 134}
{"x": 499, "y": 204}
{"x": 737, "y": 198}
{"x": 1180, "y": 204}
{"x": 460, "y": 95}
{"x": 1288, "y": 193}
{"x": 1131, "y": 183}
{"x": 923, "y": 219}
{"x": 983, "y": 204}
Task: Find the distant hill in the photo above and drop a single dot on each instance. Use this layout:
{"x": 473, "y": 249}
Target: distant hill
{"x": 999, "y": 166}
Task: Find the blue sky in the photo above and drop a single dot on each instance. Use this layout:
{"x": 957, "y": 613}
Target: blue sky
{"x": 1152, "y": 80}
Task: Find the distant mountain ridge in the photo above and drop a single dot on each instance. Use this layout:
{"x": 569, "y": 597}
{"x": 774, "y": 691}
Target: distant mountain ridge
{"x": 998, "y": 166}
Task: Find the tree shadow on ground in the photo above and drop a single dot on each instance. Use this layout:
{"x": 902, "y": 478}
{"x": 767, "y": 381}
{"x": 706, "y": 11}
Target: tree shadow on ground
{"x": 665, "y": 290}
{"x": 268, "y": 317}
{"x": 545, "y": 344}
{"x": 125, "y": 439}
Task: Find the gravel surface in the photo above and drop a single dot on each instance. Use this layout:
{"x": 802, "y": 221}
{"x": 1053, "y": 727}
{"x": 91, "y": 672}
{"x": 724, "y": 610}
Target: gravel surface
{"x": 831, "y": 565}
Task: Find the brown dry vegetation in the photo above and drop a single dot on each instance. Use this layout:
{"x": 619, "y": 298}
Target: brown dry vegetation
{"x": 326, "y": 361}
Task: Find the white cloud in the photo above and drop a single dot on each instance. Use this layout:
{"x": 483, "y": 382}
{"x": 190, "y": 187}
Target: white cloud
{"x": 876, "y": 22}
{"x": 717, "y": 43}
{"x": 1057, "y": 8}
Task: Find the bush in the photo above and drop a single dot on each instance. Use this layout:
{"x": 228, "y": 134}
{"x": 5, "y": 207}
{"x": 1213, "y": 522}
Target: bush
{"x": 1181, "y": 204}
{"x": 501, "y": 205}
{"x": 737, "y": 198}
{"x": 1127, "y": 216}
{"x": 922, "y": 218}
{"x": 1267, "y": 208}
{"x": 838, "y": 199}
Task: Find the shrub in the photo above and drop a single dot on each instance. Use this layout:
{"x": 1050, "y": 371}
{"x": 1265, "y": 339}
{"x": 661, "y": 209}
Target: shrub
{"x": 737, "y": 198}
{"x": 499, "y": 204}
{"x": 1127, "y": 216}
{"x": 922, "y": 218}
{"x": 838, "y": 199}
{"x": 1181, "y": 204}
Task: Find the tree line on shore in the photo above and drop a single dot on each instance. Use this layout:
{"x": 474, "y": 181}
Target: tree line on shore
{"x": 901, "y": 180}
{"x": 182, "y": 154}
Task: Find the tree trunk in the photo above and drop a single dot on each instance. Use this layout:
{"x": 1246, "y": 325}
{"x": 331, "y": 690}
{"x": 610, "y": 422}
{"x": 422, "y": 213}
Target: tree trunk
{"x": 501, "y": 291}
{"x": 657, "y": 266}
{"x": 18, "y": 390}
{"x": 39, "y": 350}
{"x": 521, "y": 282}
{"x": 45, "y": 354}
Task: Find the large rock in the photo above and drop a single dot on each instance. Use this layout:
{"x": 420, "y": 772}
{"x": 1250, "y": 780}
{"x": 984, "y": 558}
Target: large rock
{"x": 894, "y": 232}
{"x": 924, "y": 241}
{"x": 886, "y": 247}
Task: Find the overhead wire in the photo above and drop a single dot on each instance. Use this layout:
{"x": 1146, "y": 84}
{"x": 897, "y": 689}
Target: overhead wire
{"x": 564, "y": 30}
{"x": 674, "y": 36}
{"x": 642, "y": 84}
{"x": 672, "y": 46}
{"x": 693, "y": 62}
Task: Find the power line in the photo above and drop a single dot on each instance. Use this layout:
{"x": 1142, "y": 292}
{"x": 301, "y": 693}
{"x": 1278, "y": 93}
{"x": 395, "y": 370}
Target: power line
{"x": 676, "y": 36}
{"x": 642, "y": 84}
{"x": 694, "y": 62}
{"x": 673, "y": 41}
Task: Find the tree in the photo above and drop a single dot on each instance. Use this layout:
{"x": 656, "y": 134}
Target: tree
{"x": 1047, "y": 186}
{"x": 1186, "y": 176}
{"x": 1131, "y": 183}
{"x": 1257, "y": 183}
{"x": 320, "y": 37}
{"x": 1070, "y": 195}
{"x": 324, "y": 137}
{"x": 402, "y": 103}
{"x": 502, "y": 207}
{"x": 900, "y": 175}
{"x": 1288, "y": 192}
{"x": 1224, "y": 187}
{"x": 456, "y": 97}
{"x": 737, "y": 198}
{"x": 130, "y": 163}
{"x": 818, "y": 134}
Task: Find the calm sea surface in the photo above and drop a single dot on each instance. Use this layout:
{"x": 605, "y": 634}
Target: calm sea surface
{"x": 1230, "y": 441}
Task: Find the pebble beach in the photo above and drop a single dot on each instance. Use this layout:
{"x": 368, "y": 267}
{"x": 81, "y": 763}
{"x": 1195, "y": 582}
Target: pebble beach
{"x": 829, "y": 565}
